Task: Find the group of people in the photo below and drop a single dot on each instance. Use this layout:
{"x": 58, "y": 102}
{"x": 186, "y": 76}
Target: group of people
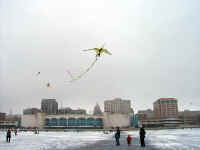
{"x": 9, "y": 134}
{"x": 142, "y": 134}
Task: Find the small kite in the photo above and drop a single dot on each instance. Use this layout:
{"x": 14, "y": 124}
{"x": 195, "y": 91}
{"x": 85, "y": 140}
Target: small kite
{"x": 48, "y": 85}
{"x": 38, "y": 73}
{"x": 98, "y": 51}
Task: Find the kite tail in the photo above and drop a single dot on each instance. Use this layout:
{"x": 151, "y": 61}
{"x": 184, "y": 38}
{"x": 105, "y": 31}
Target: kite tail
{"x": 83, "y": 73}
{"x": 70, "y": 74}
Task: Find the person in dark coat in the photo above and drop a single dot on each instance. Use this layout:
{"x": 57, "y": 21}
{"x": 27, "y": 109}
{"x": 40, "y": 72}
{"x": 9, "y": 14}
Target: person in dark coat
{"x": 8, "y": 136}
{"x": 117, "y": 136}
{"x": 142, "y": 136}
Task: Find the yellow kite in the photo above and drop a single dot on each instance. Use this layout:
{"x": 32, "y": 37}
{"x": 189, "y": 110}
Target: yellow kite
{"x": 99, "y": 51}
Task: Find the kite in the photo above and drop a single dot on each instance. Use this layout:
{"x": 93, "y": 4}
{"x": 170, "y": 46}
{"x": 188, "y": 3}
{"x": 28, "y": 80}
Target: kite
{"x": 38, "y": 73}
{"x": 98, "y": 51}
{"x": 47, "y": 84}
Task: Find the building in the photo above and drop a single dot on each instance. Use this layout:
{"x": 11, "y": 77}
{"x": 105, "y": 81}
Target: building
{"x": 113, "y": 120}
{"x": 49, "y": 106}
{"x": 146, "y": 118}
{"x": 190, "y": 117}
{"x": 31, "y": 111}
{"x": 33, "y": 120}
{"x": 8, "y": 124}
{"x": 68, "y": 110}
{"x": 79, "y": 111}
{"x": 11, "y": 121}
{"x": 117, "y": 113}
{"x": 2, "y": 116}
{"x": 117, "y": 106}
{"x": 146, "y": 114}
{"x": 74, "y": 121}
{"x": 165, "y": 108}
{"x": 61, "y": 121}
{"x": 97, "y": 110}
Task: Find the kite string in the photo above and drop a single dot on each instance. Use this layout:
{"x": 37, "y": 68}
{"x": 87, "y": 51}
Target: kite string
{"x": 83, "y": 73}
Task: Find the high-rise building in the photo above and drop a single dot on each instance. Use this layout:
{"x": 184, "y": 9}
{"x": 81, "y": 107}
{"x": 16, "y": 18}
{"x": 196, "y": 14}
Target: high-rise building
{"x": 117, "y": 106}
{"x": 97, "y": 110}
{"x": 166, "y": 108}
{"x": 49, "y": 106}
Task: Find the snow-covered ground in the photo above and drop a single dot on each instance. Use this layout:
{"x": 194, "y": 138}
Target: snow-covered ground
{"x": 50, "y": 140}
{"x": 181, "y": 139}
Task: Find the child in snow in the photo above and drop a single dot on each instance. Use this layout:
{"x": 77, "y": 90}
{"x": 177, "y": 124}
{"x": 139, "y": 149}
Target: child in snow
{"x": 129, "y": 140}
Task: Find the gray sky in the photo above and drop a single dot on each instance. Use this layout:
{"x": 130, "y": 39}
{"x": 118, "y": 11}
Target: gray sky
{"x": 155, "y": 46}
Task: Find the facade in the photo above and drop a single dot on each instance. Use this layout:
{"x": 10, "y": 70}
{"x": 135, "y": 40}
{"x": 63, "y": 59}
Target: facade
{"x": 31, "y": 111}
{"x": 68, "y": 110}
{"x": 113, "y": 120}
{"x": 117, "y": 113}
{"x": 97, "y": 110}
{"x": 149, "y": 114}
{"x": 8, "y": 124}
{"x": 117, "y": 106}
{"x": 42, "y": 120}
{"x": 32, "y": 120}
{"x": 165, "y": 108}
{"x": 73, "y": 121}
{"x": 49, "y": 106}
{"x": 190, "y": 117}
{"x": 2, "y": 116}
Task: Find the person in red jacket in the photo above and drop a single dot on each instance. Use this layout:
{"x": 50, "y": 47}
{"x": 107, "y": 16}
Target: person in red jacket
{"x": 129, "y": 140}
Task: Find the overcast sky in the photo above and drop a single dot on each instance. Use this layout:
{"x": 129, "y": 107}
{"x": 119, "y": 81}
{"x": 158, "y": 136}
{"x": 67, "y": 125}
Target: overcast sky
{"x": 155, "y": 46}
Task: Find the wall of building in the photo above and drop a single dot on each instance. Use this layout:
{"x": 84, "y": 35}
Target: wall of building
{"x": 73, "y": 120}
{"x": 166, "y": 108}
{"x": 116, "y": 120}
{"x": 117, "y": 105}
{"x": 2, "y": 116}
{"x": 33, "y": 120}
{"x": 49, "y": 106}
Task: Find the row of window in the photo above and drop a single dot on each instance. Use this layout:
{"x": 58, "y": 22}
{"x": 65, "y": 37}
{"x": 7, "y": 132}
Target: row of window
{"x": 74, "y": 122}
{"x": 169, "y": 101}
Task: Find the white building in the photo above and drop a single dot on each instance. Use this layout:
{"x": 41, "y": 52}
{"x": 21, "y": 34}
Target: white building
{"x": 117, "y": 113}
{"x": 33, "y": 120}
{"x": 116, "y": 120}
{"x": 117, "y": 105}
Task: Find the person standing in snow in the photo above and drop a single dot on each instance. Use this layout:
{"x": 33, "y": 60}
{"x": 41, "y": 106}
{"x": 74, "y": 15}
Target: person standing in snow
{"x": 142, "y": 136}
{"x": 117, "y": 136}
{"x": 129, "y": 140}
{"x": 8, "y": 136}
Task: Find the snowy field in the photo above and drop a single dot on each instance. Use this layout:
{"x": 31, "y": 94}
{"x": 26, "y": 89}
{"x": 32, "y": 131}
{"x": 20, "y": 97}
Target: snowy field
{"x": 50, "y": 140}
{"x": 181, "y": 139}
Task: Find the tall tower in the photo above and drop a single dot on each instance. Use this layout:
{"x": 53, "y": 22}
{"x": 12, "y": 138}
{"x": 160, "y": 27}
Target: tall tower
{"x": 165, "y": 108}
{"x": 49, "y": 106}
